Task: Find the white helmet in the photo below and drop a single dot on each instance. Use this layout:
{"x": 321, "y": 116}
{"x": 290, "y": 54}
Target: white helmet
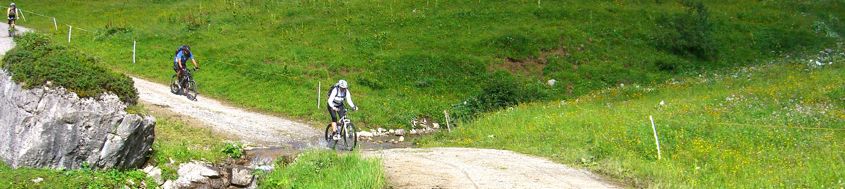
{"x": 342, "y": 84}
{"x": 13, "y": 4}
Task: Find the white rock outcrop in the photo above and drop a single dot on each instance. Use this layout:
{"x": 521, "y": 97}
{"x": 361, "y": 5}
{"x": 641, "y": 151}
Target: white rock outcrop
{"x": 50, "y": 127}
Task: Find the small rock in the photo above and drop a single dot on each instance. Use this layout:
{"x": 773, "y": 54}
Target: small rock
{"x": 169, "y": 184}
{"x": 413, "y": 132}
{"x": 37, "y": 180}
{"x": 154, "y": 173}
{"x": 401, "y": 138}
{"x": 381, "y": 130}
{"x": 399, "y": 132}
{"x": 241, "y": 177}
{"x": 266, "y": 168}
{"x": 390, "y": 131}
{"x": 365, "y": 134}
{"x": 551, "y": 82}
{"x": 195, "y": 171}
{"x": 435, "y": 125}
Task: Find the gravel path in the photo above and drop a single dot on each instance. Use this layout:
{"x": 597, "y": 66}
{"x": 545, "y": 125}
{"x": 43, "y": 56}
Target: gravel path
{"x": 248, "y": 126}
{"x": 6, "y": 42}
{"x": 478, "y": 168}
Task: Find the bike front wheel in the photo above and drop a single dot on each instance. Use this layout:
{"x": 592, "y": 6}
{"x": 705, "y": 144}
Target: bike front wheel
{"x": 350, "y": 136}
{"x": 191, "y": 90}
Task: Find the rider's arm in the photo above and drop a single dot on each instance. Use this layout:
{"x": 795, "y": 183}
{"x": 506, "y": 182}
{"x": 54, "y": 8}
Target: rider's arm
{"x": 349, "y": 99}
{"x": 9, "y": 11}
{"x": 331, "y": 96}
{"x": 193, "y": 60}
{"x": 178, "y": 60}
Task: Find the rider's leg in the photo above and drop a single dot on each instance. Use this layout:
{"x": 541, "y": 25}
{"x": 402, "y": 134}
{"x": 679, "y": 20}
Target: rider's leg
{"x": 178, "y": 76}
{"x": 333, "y": 114}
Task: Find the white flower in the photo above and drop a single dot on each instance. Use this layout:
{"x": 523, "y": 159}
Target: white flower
{"x": 662, "y": 103}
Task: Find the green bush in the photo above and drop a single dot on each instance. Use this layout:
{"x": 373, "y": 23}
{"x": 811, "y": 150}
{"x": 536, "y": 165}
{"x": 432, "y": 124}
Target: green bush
{"x": 516, "y": 46}
{"x": 689, "y": 34}
{"x": 36, "y": 61}
{"x": 234, "y": 150}
{"x": 502, "y": 92}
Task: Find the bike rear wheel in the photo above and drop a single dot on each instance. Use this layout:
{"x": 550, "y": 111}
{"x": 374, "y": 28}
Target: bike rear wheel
{"x": 174, "y": 86}
{"x": 328, "y": 136}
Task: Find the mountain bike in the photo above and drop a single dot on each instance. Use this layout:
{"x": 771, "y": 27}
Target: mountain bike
{"x": 186, "y": 85}
{"x": 346, "y": 130}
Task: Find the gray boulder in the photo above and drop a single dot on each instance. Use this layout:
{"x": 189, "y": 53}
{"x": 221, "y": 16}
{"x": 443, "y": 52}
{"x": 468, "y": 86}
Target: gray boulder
{"x": 241, "y": 177}
{"x": 52, "y": 128}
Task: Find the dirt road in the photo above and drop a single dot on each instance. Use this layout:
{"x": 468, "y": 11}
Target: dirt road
{"x": 478, "y": 168}
{"x": 249, "y": 126}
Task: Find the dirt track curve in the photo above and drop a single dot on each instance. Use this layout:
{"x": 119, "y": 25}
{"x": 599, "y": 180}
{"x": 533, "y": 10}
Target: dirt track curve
{"x": 479, "y": 168}
{"x": 248, "y": 126}
{"x": 405, "y": 168}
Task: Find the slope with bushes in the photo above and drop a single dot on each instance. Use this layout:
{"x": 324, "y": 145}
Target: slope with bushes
{"x": 417, "y": 58}
{"x": 778, "y": 124}
{"x": 38, "y": 61}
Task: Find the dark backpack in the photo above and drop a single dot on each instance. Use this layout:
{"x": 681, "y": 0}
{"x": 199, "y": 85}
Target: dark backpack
{"x": 329, "y": 94}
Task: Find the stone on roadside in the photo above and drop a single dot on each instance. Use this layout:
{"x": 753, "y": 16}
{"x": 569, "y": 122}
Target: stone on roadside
{"x": 401, "y": 138}
{"x": 435, "y": 125}
{"x": 154, "y": 173}
{"x": 169, "y": 184}
{"x": 195, "y": 171}
{"x": 390, "y": 132}
{"x": 365, "y": 134}
{"x": 399, "y": 132}
{"x": 413, "y": 132}
{"x": 241, "y": 177}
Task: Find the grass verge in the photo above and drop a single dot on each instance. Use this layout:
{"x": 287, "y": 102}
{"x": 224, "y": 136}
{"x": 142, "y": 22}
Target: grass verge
{"x": 778, "y": 125}
{"x": 82, "y": 178}
{"x": 178, "y": 141}
{"x": 326, "y": 169}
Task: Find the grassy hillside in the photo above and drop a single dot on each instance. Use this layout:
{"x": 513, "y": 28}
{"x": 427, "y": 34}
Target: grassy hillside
{"x": 416, "y": 58}
{"x": 780, "y": 124}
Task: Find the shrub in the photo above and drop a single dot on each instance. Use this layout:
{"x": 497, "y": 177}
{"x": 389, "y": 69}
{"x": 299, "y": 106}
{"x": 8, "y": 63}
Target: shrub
{"x": 502, "y": 92}
{"x": 689, "y": 34}
{"x": 516, "y": 46}
{"x": 36, "y": 61}
{"x": 234, "y": 150}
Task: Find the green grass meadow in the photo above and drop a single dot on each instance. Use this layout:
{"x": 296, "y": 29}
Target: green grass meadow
{"x": 416, "y": 58}
{"x": 778, "y": 125}
{"x": 740, "y": 108}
